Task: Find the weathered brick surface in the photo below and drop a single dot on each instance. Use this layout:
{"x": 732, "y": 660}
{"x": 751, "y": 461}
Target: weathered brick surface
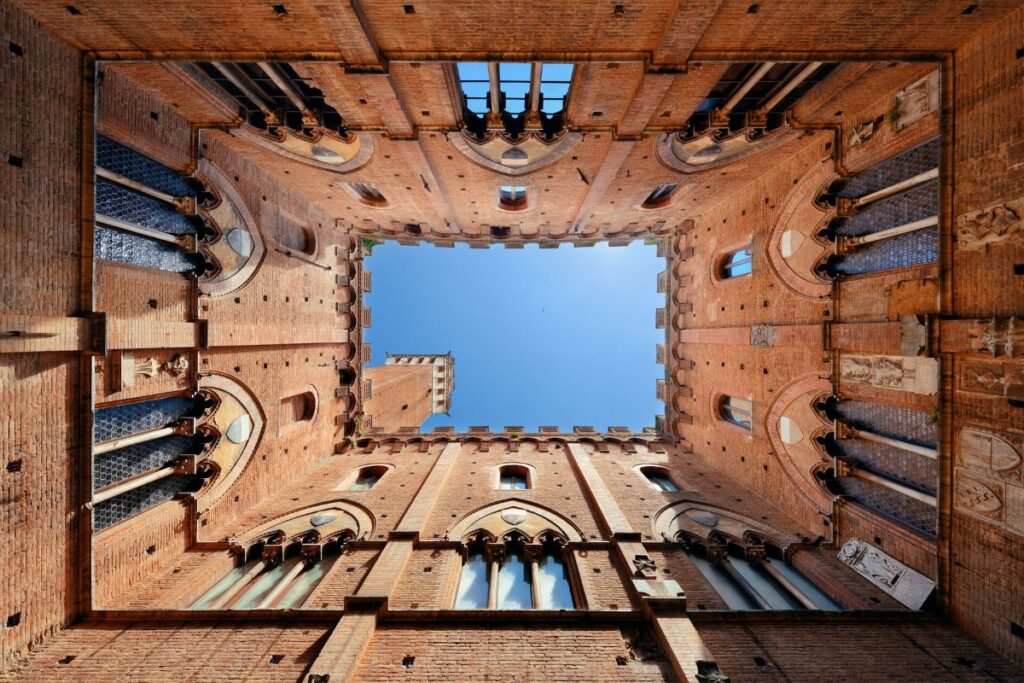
{"x": 540, "y": 653}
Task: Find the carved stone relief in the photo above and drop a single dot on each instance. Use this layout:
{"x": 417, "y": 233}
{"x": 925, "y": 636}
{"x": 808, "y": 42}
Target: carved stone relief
{"x": 1000, "y": 337}
{"x": 917, "y": 375}
{"x": 990, "y": 477}
{"x": 979, "y": 498}
{"x": 1004, "y": 379}
{"x": 863, "y": 132}
{"x": 917, "y": 100}
{"x": 997, "y": 223}
{"x": 886, "y": 572}
{"x": 762, "y": 335}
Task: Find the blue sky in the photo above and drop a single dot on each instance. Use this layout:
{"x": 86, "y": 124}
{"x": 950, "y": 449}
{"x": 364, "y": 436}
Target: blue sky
{"x": 557, "y": 337}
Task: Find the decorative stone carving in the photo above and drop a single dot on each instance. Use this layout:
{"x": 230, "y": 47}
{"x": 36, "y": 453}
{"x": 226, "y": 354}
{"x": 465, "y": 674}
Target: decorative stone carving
{"x": 708, "y": 672}
{"x": 991, "y": 225}
{"x": 979, "y": 498}
{"x": 886, "y": 572}
{"x": 762, "y": 335}
{"x": 128, "y": 368}
{"x": 863, "y": 132}
{"x": 644, "y": 564}
{"x": 994, "y": 454}
{"x": 917, "y": 375}
{"x": 321, "y": 519}
{"x": 177, "y": 366}
{"x": 990, "y": 477}
{"x": 513, "y": 516}
{"x": 917, "y": 100}
{"x": 1004, "y": 379}
{"x": 1001, "y": 336}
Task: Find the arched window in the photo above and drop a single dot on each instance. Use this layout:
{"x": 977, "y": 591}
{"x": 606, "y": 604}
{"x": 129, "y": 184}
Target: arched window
{"x": 738, "y": 411}
{"x": 736, "y": 263}
{"x": 300, "y": 407}
{"x": 277, "y": 577}
{"x": 294, "y": 235}
{"x": 660, "y": 196}
{"x": 512, "y": 197}
{"x": 513, "y": 478}
{"x": 660, "y": 478}
{"x": 368, "y": 478}
{"x": 756, "y": 581}
{"x": 514, "y": 576}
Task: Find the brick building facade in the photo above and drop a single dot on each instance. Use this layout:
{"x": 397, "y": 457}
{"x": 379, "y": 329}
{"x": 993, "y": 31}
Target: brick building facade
{"x": 192, "y": 490}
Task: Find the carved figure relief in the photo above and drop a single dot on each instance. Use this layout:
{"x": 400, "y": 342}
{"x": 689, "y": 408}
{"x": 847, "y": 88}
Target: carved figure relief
{"x": 644, "y": 564}
{"x": 886, "y": 572}
{"x": 918, "y": 375}
{"x": 917, "y": 100}
{"x": 177, "y": 366}
{"x": 993, "y": 379}
{"x": 991, "y": 225}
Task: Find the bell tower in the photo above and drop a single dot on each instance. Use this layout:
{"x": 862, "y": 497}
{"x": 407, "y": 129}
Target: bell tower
{"x": 408, "y": 389}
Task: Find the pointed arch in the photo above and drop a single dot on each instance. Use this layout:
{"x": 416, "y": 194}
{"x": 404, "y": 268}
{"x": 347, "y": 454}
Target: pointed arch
{"x": 344, "y": 516}
{"x": 708, "y": 523}
{"x": 515, "y": 514}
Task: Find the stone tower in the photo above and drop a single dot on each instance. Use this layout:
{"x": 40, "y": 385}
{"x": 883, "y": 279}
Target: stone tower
{"x": 408, "y": 389}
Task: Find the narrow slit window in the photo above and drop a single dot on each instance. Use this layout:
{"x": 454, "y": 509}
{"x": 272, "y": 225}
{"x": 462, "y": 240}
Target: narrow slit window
{"x": 660, "y": 196}
{"x": 514, "y": 589}
{"x": 738, "y": 411}
{"x": 737, "y": 263}
{"x": 660, "y": 478}
{"x": 473, "y": 583}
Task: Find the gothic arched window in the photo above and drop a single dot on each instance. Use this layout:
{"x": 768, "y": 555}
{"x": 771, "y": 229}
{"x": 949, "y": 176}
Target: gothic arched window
{"x": 755, "y": 581}
{"x": 514, "y": 575}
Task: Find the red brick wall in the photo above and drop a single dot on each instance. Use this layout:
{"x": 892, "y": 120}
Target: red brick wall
{"x": 39, "y": 275}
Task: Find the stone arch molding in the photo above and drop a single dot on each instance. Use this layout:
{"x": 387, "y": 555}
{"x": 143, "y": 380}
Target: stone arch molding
{"x": 321, "y": 148}
{"x": 709, "y": 523}
{"x": 499, "y": 153}
{"x": 794, "y": 247}
{"x": 236, "y": 246}
{"x": 329, "y": 519}
{"x": 716, "y": 148}
{"x": 792, "y": 425}
{"x": 240, "y": 421}
{"x": 498, "y": 519}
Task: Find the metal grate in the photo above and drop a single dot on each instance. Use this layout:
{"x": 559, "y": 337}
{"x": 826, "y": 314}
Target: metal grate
{"x": 132, "y": 418}
{"x": 913, "y": 162}
{"x": 120, "y": 202}
{"x": 904, "y": 424}
{"x": 124, "y": 247}
{"x": 133, "y": 502}
{"x": 913, "y": 205}
{"x": 910, "y": 249}
{"x": 121, "y": 464}
{"x": 120, "y": 159}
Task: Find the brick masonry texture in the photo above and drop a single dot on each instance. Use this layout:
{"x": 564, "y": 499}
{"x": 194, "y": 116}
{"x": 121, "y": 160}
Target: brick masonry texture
{"x": 110, "y": 603}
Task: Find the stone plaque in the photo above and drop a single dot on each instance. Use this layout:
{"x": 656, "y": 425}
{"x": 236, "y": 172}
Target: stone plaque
{"x": 892, "y": 576}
